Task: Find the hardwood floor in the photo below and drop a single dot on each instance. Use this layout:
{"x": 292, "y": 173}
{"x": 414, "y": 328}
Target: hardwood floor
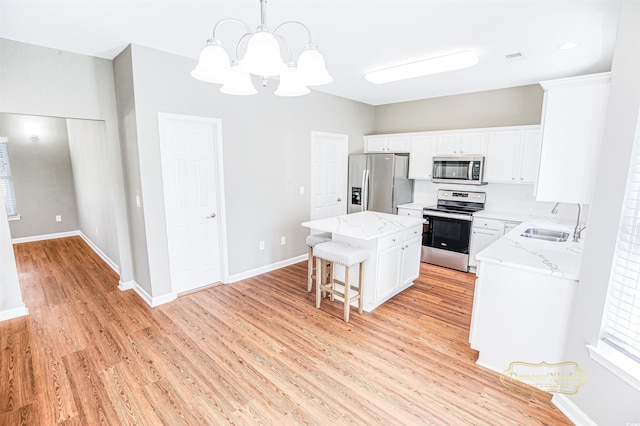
{"x": 255, "y": 352}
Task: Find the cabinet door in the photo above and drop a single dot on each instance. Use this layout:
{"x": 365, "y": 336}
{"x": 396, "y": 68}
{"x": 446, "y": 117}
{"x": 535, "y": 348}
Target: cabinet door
{"x": 375, "y": 144}
{"x": 389, "y": 265}
{"x": 473, "y": 143}
{"x": 399, "y": 144}
{"x": 530, "y": 156}
{"x": 502, "y": 160}
{"x": 421, "y": 157}
{"x": 411, "y": 260}
{"x": 448, "y": 144}
{"x": 572, "y": 126}
{"x": 481, "y": 239}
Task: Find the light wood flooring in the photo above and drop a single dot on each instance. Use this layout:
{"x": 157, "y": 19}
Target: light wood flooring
{"x": 255, "y": 352}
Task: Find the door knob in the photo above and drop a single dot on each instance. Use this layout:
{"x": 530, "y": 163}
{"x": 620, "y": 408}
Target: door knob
{"x": 211, "y": 216}
{"x": 339, "y": 199}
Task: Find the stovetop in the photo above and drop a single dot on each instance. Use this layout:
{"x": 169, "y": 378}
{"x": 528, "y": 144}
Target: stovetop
{"x": 460, "y": 202}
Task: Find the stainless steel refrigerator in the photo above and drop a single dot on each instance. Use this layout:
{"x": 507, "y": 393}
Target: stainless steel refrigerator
{"x": 379, "y": 182}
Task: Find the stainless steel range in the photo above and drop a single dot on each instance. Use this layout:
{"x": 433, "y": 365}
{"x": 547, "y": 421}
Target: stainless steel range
{"x": 446, "y": 232}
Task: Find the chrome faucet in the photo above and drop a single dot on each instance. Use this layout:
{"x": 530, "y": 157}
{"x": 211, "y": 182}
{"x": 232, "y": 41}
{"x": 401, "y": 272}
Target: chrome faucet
{"x": 578, "y": 229}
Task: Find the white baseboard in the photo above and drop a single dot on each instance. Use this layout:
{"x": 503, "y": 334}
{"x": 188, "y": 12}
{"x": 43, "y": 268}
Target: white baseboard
{"x": 45, "y": 237}
{"x": 127, "y": 285}
{"x": 20, "y": 311}
{"x": 151, "y": 301}
{"x": 265, "y": 269}
{"x": 100, "y": 253}
{"x": 572, "y": 411}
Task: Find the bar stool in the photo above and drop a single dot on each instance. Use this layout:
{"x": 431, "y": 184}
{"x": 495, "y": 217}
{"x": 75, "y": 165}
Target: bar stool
{"x": 347, "y": 256}
{"x": 312, "y": 241}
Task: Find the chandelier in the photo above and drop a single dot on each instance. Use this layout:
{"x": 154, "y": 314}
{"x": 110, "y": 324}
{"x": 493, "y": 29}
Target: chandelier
{"x": 262, "y": 58}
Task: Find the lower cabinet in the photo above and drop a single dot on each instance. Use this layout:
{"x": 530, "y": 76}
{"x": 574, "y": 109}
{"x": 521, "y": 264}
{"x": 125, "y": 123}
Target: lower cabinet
{"x": 398, "y": 263}
{"x": 485, "y": 232}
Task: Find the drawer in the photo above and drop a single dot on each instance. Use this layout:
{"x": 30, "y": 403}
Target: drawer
{"x": 409, "y": 212}
{"x": 412, "y": 233}
{"x": 391, "y": 240}
{"x": 483, "y": 223}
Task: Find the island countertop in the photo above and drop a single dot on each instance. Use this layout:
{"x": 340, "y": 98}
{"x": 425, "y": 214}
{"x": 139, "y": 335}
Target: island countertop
{"x": 365, "y": 225}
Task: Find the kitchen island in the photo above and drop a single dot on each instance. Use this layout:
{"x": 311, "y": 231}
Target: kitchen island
{"x": 393, "y": 243}
{"x": 522, "y": 301}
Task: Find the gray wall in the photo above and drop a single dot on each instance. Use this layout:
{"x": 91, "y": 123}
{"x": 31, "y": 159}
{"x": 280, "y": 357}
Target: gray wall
{"x": 504, "y": 107}
{"x": 606, "y": 398}
{"x": 266, "y": 155}
{"x": 40, "y": 81}
{"x": 42, "y": 175}
{"x": 125, "y": 100}
{"x": 87, "y": 145}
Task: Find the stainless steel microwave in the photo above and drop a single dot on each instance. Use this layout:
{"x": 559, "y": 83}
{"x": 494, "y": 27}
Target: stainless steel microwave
{"x": 468, "y": 170}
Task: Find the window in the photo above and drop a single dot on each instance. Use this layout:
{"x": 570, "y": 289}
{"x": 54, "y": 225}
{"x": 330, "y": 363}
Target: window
{"x": 6, "y": 180}
{"x": 619, "y": 346}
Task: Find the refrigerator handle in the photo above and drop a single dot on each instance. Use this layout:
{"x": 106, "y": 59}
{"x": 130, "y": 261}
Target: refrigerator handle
{"x": 365, "y": 190}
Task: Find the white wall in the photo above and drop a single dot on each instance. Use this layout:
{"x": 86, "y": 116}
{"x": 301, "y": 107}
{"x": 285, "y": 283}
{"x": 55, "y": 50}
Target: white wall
{"x": 87, "y": 146}
{"x": 40, "y": 81}
{"x": 266, "y": 155}
{"x": 606, "y": 399}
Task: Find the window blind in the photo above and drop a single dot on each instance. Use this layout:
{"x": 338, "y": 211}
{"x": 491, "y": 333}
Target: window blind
{"x": 621, "y": 325}
{"x": 6, "y": 180}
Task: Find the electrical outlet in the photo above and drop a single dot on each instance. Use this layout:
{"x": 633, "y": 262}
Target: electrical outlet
{"x": 58, "y": 218}
{"x": 283, "y": 240}
{"x": 261, "y": 245}
{"x": 302, "y": 190}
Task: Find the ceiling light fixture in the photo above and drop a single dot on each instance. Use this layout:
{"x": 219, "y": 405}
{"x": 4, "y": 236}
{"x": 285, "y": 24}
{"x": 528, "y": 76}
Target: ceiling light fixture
{"x": 453, "y": 61}
{"x": 568, "y": 46}
{"x": 261, "y": 58}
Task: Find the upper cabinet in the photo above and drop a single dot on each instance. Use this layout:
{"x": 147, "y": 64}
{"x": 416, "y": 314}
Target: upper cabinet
{"x": 572, "y": 127}
{"x": 513, "y": 155}
{"x": 387, "y": 143}
{"x": 461, "y": 142}
{"x": 421, "y": 157}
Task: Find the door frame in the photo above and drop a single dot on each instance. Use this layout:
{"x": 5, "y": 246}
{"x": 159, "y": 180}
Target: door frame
{"x": 216, "y": 123}
{"x": 344, "y": 152}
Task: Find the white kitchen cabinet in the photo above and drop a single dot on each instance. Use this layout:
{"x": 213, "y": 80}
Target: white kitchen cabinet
{"x": 399, "y": 263}
{"x": 400, "y": 143}
{"x": 513, "y": 155}
{"x": 421, "y": 157}
{"x": 484, "y": 232}
{"x": 461, "y": 142}
{"x": 572, "y": 127}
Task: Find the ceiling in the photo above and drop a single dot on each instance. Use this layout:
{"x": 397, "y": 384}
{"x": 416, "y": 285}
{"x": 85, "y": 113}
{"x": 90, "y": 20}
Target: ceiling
{"x": 355, "y": 36}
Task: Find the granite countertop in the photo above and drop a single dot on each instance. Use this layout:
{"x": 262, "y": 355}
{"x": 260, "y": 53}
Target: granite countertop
{"x": 554, "y": 258}
{"x": 364, "y": 225}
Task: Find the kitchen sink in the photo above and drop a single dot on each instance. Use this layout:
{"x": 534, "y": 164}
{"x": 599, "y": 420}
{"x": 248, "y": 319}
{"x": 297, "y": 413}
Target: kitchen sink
{"x": 545, "y": 234}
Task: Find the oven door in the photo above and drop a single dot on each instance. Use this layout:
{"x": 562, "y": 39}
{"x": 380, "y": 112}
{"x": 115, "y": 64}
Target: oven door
{"x": 451, "y": 234}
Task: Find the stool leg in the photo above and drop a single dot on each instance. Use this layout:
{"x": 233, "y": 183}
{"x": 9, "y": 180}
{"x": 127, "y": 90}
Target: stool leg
{"x": 331, "y": 281}
{"x": 318, "y": 282}
{"x": 310, "y": 270}
{"x": 360, "y": 281}
{"x": 347, "y": 285}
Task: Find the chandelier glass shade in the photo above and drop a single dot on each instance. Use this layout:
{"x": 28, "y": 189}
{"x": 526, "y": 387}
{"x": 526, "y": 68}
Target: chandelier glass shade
{"x": 262, "y": 57}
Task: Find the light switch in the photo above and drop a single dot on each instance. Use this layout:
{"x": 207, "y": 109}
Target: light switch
{"x": 58, "y": 218}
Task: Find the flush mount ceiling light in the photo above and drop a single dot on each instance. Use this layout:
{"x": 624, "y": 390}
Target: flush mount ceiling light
{"x": 453, "y": 61}
{"x": 262, "y": 58}
{"x": 568, "y": 46}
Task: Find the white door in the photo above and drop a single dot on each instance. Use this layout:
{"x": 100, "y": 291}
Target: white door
{"x": 329, "y": 158}
{"x": 190, "y": 174}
